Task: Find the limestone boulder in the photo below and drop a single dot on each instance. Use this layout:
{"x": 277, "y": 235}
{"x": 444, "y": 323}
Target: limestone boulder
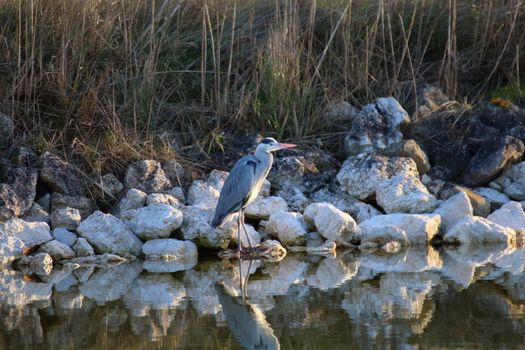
{"x": 288, "y": 227}
{"x": 30, "y": 233}
{"x": 263, "y": 207}
{"x": 510, "y": 215}
{"x": 476, "y": 230}
{"x": 361, "y": 175}
{"x": 108, "y": 234}
{"x": 331, "y": 223}
{"x": 418, "y": 228}
{"x": 405, "y": 194}
{"x": 169, "y": 249}
{"x": 68, "y": 218}
{"x": 512, "y": 181}
{"x": 57, "y": 250}
{"x": 134, "y": 199}
{"x": 61, "y": 176}
{"x": 146, "y": 176}
{"x": 454, "y": 210}
{"x": 154, "y": 221}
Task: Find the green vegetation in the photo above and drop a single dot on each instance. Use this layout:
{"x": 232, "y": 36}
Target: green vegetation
{"x": 104, "y": 82}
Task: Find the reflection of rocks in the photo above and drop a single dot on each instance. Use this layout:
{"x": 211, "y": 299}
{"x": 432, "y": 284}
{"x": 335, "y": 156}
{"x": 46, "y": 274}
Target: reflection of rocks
{"x": 17, "y": 291}
{"x": 112, "y": 283}
{"x": 331, "y": 273}
{"x": 415, "y": 259}
{"x": 156, "y": 291}
{"x": 169, "y": 249}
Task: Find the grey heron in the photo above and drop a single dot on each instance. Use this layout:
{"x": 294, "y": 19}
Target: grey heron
{"x": 244, "y": 183}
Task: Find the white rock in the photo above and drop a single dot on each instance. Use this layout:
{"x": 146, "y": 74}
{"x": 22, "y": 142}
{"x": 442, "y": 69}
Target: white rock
{"x": 30, "y": 233}
{"x": 331, "y": 223}
{"x": 496, "y": 198}
{"x": 295, "y": 198}
{"x": 36, "y": 214}
{"x": 510, "y": 215}
{"x": 255, "y": 237}
{"x": 403, "y": 194}
{"x": 265, "y": 188}
{"x": 40, "y": 263}
{"x": 57, "y": 250}
{"x": 360, "y": 175}
{"x": 216, "y": 178}
{"x": 169, "y": 249}
{"x": 11, "y": 248}
{"x": 112, "y": 283}
{"x": 419, "y": 228}
{"x": 154, "y": 291}
{"x": 178, "y": 193}
{"x": 203, "y": 194}
{"x": 345, "y": 202}
{"x": 83, "y": 248}
{"x": 513, "y": 181}
{"x": 196, "y": 227}
{"x": 68, "y": 218}
{"x": 154, "y": 221}
{"x": 107, "y": 234}
{"x": 161, "y": 198}
{"x": 263, "y": 207}
{"x": 382, "y": 235}
{"x": 477, "y": 230}
{"x": 454, "y": 210}
{"x": 64, "y": 236}
{"x": 133, "y": 199}
{"x": 289, "y": 228}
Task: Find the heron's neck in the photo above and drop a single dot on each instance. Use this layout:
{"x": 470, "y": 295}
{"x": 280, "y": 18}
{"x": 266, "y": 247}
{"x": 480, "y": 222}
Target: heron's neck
{"x": 262, "y": 156}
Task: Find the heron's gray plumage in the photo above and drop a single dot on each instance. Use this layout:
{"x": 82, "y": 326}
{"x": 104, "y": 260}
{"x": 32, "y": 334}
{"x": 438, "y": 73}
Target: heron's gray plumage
{"x": 243, "y": 184}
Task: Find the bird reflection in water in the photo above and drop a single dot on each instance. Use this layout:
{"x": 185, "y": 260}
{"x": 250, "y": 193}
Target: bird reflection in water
{"x": 246, "y": 321}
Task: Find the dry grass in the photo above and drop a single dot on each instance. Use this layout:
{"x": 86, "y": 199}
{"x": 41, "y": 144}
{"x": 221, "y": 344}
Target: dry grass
{"x": 106, "y": 82}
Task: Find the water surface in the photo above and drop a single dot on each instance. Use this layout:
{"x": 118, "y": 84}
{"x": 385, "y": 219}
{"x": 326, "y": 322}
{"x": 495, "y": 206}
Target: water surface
{"x": 418, "y": 298}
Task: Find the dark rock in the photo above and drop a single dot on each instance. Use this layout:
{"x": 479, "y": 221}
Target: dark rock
{"x": 410, "y": 149}
{"x": 518, "y": 132}
{"x": 62, "y": 201}
{"x": 147, "y": 176}
{"x": 376, "y": 126}
{"x": 17, "y": 190}
{"x": 502, "y": 118}
{"x": 7, "y": 127}
{"x": 174, "y": 171}
{"x": 423, "y": 100}
{"x": 295, "y": 172}
{"x": 60, "y": 176}
{"x": 24, "y": 156}
{"x": 493, "y": 156}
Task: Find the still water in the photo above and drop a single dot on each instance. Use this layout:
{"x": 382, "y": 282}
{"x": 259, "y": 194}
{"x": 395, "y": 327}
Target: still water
{"x": 418, "y": 298}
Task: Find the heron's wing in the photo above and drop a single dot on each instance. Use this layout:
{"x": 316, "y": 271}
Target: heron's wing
{"x": 236, "y": 189}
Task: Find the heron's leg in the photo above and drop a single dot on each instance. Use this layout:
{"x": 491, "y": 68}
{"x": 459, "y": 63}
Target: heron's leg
{"x": 244, "y": 227}
{"x": 239, "y": 243}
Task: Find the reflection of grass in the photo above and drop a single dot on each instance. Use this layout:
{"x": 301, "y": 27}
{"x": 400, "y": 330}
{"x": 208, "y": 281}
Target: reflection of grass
{"x": 103, "y": 80}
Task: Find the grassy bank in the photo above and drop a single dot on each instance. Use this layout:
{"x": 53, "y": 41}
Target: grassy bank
{"x": 105, "y": 82}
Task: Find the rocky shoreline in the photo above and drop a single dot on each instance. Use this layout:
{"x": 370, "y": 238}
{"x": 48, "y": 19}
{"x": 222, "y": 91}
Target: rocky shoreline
{"x": 438, "y": 176}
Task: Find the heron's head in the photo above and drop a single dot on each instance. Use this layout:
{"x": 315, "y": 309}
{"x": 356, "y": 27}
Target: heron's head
{"x": 269, "y": 144}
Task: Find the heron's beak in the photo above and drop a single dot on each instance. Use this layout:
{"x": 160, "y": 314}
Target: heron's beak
{"x": 285, "y": 145}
